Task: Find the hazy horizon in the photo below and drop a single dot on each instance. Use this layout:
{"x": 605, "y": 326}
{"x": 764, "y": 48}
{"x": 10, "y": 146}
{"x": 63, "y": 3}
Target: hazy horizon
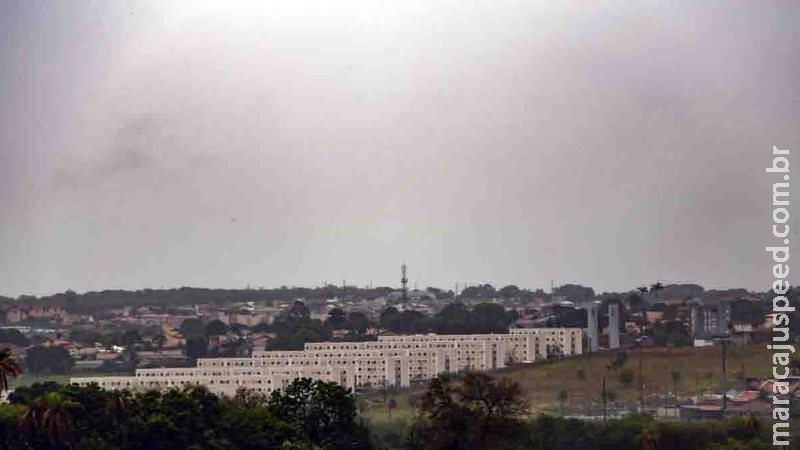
{"x": 221, "y": 144}
{"x": 395, "y": 285}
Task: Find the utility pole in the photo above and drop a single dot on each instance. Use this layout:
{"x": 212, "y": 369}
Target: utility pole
{"x": 641, "y": 378}
{"x": 605, "y": 403}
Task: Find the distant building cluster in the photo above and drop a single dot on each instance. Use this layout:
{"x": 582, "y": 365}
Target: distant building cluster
{"x": 391, "y": 361}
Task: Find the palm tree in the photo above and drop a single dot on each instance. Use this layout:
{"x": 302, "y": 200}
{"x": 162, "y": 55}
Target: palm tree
{"x": 56, "y": 416}
{"x": 118, "y": 402}
{"x": 8, "y": 368}
{"x": 643, "y": 304}
{"x": 31, "y": 422}
{"x": 655, "y": 287}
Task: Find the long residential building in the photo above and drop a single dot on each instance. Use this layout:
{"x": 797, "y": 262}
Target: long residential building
{"x": 391, "y": 361}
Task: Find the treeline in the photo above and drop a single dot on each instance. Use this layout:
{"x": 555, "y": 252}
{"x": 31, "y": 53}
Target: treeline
{"x": 455, "y": 318}
{"x": 307, "y": 414}
{"x": 91, "y": 302}
{"x": 294, "y": 327}
{"x": 96, "y": 301}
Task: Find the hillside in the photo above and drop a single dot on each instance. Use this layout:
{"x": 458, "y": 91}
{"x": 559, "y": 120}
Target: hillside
{"x": 699, "y": 369}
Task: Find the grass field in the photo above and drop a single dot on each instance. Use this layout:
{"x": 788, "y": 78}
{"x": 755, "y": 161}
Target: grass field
{"x": 699, "y": 369}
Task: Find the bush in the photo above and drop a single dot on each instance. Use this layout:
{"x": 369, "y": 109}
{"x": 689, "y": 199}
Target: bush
{"x": 626, "y": 376}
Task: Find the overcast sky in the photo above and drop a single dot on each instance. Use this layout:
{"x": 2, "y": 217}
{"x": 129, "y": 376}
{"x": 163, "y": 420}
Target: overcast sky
{"x": 221, "y": 144}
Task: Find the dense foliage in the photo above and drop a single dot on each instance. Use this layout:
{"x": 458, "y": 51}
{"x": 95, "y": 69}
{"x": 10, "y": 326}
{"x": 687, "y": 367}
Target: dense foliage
{"x": 41, "y": 360}
{"x": 481, "y": 412}
{"x": 455, "y": 318}
{"x": 307, "y": 414}
{"x": 294, "y": 327}
{"x": 476, "y": 411}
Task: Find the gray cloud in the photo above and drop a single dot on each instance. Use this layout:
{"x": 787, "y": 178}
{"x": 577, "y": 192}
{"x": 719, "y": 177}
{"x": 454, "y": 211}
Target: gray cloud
{"x": 607, "y": 143}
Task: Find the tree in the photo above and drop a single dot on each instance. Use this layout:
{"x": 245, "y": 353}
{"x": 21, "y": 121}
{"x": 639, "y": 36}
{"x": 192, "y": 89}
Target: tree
{"x": 358, "y": 322}
{"x": 575, "y": 293}
{"x": 485, "y": 291}
{"x": 130, "y": 338}
{"x": 50, "y": 359}
{"x": 216, "y": 328}
{"x": 635, "y": 301}
{"x": 643, "y": 305}
{"x": 655, "y": 288}
{"x": 489, "y": 318}
{"x": 55, "y": 417}
{"x": 9, "y": 368}
{"x": 159, "y": 340}
{"x": 26, "y": 395}
{"x": 192, "y": 328}
{"x": 670, "y": 333}
{"x": 402, "y": 322}
{"x": 478, "y": 410}
{"x": 626, "y": 376}
{"x": 455, "y": 318}
{"x": 570, "y": 317}
{"x": 12, "y": 336}
{"x": 196, "y": 347}
{"x": 337, "y": 318}
{"x": 510, "y": 291}
{"x": 292, "y": 318}
{"x": 323, "y": 413}
{"x": 239, "y": 329}
{"x": 295, "y": 339}
{"x": 87, "y": 337}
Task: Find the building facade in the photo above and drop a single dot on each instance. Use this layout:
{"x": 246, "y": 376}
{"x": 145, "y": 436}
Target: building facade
{"x": 392, "y": 361}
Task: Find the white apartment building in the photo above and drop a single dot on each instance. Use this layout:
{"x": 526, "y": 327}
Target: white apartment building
{"x": 391, "y": 361}
{"x": 521, "y": 344}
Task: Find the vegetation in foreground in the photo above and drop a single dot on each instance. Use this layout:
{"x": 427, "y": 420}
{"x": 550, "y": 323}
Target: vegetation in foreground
{"x": 477, "y": 411}
{"x": 306, "y": 415}
{"x": 482, "y": 412}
